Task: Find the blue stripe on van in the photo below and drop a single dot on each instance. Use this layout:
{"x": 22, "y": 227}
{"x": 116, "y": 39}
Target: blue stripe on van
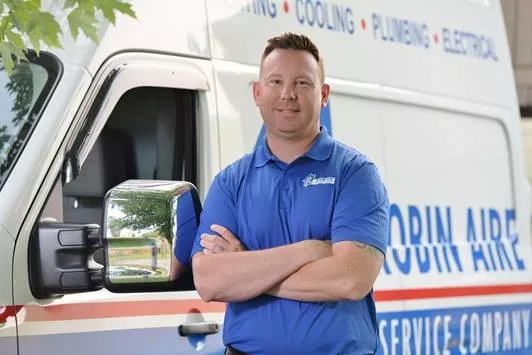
{"x": 487, "y": 329}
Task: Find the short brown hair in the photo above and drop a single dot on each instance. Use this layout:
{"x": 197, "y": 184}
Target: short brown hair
{"x": 297, "y": 42}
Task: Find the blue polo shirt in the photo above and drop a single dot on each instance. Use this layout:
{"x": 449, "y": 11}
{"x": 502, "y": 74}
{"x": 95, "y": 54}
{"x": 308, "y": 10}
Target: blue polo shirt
{"x": 332, "y": 192}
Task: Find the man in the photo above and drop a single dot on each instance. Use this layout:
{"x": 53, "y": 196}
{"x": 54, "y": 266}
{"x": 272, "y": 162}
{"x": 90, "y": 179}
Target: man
{"x": 293, "y": 235}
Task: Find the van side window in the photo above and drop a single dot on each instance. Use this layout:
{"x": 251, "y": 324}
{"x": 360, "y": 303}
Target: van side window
{"x": 24, "y": 95}
{"x": 151, "y": 134}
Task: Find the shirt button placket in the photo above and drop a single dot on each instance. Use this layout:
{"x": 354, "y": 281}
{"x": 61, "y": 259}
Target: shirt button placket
{"x": 285, "y": 190}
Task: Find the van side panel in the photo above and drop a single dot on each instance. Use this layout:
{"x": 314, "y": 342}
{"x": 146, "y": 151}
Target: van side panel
{"x": 407, "y": 44}
{"x": 111, "y": 324}
{"x": 453, "y": 49}
{"x": 443, "y": 134}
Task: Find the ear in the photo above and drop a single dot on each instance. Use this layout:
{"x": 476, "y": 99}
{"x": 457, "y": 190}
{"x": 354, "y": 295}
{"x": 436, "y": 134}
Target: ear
{"x": 256, "y": 91}
{"x": 325, "y": 91}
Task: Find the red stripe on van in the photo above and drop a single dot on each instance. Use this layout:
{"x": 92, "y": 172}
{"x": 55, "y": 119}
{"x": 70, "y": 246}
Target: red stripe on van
{"x": 94, "y": 310}
{"x": 444, "y": 292}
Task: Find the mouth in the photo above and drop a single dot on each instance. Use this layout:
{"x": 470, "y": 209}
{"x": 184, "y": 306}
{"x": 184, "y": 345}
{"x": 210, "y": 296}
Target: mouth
{"x": 288, "y": 110}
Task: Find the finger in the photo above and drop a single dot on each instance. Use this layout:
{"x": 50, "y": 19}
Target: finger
{"x": 214, "y": 239}
{"x": 221, "y": 243}
{"x": 208, "y": 252}
{"x": 213, "y": 247}
{"x": 225, "y": 233}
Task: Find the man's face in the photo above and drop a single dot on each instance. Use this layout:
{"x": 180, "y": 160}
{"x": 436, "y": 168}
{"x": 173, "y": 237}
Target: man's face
{"x": 290, "y": 93}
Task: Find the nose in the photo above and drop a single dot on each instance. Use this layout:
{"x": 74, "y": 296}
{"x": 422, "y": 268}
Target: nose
{"x": 288, "y": 93}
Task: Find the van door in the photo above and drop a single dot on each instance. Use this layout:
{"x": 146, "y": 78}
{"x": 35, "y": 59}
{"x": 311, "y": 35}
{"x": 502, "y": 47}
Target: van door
{"x": 147, "y": 116}
{"x": 24, "y": 95}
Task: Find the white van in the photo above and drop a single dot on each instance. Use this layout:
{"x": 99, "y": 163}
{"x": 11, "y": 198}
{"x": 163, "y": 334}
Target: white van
{"x": 425, "y": 89}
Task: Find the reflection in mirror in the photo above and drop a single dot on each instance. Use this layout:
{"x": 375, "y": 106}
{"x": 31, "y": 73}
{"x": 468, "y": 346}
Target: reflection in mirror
{"x": 186, "y": 221}
{"x": 149, "y": 230}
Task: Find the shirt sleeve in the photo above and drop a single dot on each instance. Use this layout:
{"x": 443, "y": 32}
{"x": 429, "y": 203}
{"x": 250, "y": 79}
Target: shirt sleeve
{"x": 219, "y": 208}
{"x": 361, "y": 212}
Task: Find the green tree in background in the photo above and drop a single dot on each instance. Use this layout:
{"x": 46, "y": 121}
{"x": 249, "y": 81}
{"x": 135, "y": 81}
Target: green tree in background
{"x": 20, "y": 87}
{"x": 142, "y": 213}
{"x": 23, "y": 21}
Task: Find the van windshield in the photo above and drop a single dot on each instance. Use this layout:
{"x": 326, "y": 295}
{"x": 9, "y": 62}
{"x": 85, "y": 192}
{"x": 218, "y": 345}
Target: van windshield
{"x": 23, "y": 97}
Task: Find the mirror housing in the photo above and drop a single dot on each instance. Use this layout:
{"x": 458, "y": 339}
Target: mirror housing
{"x": 148, "y": 232}
{"x": 61, "y": 259}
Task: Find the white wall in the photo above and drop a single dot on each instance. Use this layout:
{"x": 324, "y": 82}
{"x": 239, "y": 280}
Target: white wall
{"x": 518, "y": 20}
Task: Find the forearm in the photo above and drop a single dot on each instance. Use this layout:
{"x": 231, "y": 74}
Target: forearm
{"x": 348, "y": 274}
{"x": 323, "y": 280}
{"x": 239, "y": 276}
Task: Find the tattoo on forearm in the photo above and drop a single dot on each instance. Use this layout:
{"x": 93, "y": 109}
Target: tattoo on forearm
{"x": 371, "y": 249}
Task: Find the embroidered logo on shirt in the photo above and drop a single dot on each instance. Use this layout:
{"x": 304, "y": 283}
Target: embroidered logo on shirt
{"x": 311, "y": 180}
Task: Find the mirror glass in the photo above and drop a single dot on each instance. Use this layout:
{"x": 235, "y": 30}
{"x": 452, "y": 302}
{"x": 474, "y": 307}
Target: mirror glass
{"x": 149, "y": 226}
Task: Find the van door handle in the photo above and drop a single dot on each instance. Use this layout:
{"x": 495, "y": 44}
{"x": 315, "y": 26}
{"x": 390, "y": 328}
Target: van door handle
{"x": 200, "y": 328}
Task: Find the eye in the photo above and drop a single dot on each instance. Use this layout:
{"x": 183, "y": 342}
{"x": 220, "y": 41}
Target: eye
{"x": 275, "y": 81}
{"x": 302, "y": 83}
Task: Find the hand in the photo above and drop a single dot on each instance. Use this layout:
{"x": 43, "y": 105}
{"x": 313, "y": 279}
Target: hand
{"x": 226, "y": 242}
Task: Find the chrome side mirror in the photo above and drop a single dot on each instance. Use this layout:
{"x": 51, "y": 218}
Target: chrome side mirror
{"x": 148, "y": 231}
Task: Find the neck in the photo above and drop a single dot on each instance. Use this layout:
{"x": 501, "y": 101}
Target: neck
{"x": 288, "y": 150}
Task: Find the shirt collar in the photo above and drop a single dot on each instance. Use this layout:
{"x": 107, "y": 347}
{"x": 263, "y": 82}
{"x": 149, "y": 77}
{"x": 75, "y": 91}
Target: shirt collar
{"x": 263, "y": 154}
{"x": 322, "y": 147}
{"x": 320, "y": 150}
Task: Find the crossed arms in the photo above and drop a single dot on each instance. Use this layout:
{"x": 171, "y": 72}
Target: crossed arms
{"x": 310, "y": 270}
